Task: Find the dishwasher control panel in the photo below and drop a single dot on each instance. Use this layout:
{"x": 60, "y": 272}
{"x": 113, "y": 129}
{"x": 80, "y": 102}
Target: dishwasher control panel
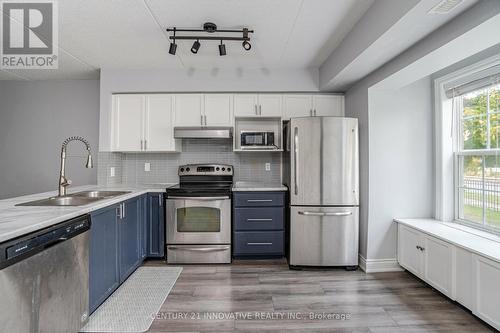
{"x": 20, "y": 248}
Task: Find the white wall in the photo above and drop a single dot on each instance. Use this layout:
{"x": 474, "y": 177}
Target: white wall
{"x": 401, "y": 161}
{"x": 191, "y": 80}
{"x": 435, "y": 52}
{"x": 35, "y": 118}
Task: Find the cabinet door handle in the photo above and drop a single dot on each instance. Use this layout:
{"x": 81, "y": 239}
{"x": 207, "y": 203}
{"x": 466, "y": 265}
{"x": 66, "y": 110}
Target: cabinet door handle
{"x": 259, "y": 220}
{"x": 311, "y": 112}
{"x": 201, "y": 120}
{"x": 265, "y": 243}
{"x": 256, "y": 112}
{"x": 123, "y": 210}
{"x": 315, "y": 112}
{"x": 259, "y": 200}
{"x": 260, "y": 110}
{"x": 119, "y": 212}
{"x": 205, "y": 120}
{"x": 160, "y": 200}
{"x": 325, "y": 214}
{"x": 142, "y": 145}
{"x": 145, "y": 144}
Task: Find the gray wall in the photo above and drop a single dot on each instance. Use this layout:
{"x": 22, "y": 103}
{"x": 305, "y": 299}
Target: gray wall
{"x": 35, "y": 117}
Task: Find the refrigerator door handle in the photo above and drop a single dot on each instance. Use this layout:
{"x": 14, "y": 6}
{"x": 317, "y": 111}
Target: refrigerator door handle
{"x": 346, "y": 213}
{"x": 296, "y": 159}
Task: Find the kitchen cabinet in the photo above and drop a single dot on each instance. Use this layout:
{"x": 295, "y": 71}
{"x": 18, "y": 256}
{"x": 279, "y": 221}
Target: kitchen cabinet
{"x": 158, "y": 123}
{"x": 409, "y": 254}
{"x": 487, "y": 293}
{"x": 258, "y": 224}
{"x": 301, "y": 105}
{"x": 459, "y": 273}
{"x": 218, "y": 110}
{"x": 128, "y": 116}
{"x": 129, "y": 227}
{"x": 258, "y": 105}
{"x": 203, "y": 110}
{"x": 117, "y": 246}
{"x": 143, "y": 123}
{"x": 156, "y": 226}
{"x": 188, "y": 110}
{"x": 104, "y": 275}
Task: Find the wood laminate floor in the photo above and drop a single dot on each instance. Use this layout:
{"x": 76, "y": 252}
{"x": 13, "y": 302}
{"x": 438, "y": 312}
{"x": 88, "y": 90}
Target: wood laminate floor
{"x": 265, "y": 296}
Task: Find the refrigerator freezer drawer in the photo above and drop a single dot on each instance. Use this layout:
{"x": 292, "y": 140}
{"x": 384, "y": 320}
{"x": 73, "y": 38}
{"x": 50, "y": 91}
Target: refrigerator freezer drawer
{"x": 324, "y": 236}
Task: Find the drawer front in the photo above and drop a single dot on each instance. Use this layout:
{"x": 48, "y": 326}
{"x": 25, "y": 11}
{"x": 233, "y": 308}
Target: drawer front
{"x": 258, "y": 243}
{"x": 262, "y": 218}
{"x": 259, "y": 199}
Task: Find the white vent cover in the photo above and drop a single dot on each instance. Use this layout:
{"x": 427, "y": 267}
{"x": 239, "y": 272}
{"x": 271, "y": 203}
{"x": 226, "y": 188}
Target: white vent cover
{"x": 445, "y": 6}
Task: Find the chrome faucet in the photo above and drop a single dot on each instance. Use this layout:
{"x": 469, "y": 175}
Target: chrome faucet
{"x": 63, "y": 181}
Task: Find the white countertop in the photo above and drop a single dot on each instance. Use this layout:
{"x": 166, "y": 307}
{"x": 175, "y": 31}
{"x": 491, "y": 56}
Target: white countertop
{"x": 16, "y": 221}
{"x": 488, "y": 247}
{"x": 257, "y": 186}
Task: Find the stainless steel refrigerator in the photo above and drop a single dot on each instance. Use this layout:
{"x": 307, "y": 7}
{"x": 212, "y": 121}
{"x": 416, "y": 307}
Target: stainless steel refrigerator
{"x": 321, "y": 170}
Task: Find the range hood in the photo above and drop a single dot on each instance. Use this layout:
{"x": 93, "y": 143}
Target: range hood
{"x": 203, "y": 132}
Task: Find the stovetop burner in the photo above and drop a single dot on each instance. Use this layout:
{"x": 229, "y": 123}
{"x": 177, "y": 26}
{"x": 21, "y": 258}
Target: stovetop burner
{"x": 203, "y": 180}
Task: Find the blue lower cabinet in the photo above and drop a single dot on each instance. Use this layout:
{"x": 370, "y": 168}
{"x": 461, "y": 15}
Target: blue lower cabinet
{"x": 104, "y": 274}
{"x": 130, "y": 237}
{"x": 258, "y": 224}
{"x": 156, "y": 226}
{"x": 255, "y": 243}
{"x": 118, "y": 245}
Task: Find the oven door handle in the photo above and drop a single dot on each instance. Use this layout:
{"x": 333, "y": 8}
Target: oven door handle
{"x": 198, "y": 198}
{"x": 199, "y": 249}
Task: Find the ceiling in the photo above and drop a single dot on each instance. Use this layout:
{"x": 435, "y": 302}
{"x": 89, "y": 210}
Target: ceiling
{"x": 130, "y": 34}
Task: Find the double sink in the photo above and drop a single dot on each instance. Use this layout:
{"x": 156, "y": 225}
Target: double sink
{"x": 75, "y": 199}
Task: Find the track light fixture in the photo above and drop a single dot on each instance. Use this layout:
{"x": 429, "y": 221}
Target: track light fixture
{"x": 210, "y": 28}
{"x": 195, "y": 47}
{"x": 222, "y": 49}
{"x": 173, "y": 46}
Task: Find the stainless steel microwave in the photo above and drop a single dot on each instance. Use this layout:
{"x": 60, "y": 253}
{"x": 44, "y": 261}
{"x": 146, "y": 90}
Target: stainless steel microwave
{"x": 257, "y": 139}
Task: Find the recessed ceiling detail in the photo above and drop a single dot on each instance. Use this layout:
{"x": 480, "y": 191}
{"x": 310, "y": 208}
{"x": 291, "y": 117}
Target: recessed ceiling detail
{"x": 208, "y": 29}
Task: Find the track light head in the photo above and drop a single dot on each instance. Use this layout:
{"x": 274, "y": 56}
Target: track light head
{"x": 195, "y": 47}
{"x": 173, "y": 48}
{"x": 222, "y": 49}
{"x": 246, "y": 45}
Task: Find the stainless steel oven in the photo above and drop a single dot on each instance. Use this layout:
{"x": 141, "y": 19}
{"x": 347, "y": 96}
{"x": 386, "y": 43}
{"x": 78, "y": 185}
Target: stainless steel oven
{"x": 198, "y": 215}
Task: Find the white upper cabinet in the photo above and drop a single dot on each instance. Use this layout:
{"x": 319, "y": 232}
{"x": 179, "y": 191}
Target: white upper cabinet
{"x": 218, "y": 110}
{"x": 128, "y": 112}
{"x": 297, "y": 106}
{"x": 246, "y": 105}
{"x": 159, "y": 134}
{"x": 301, "y": 105}
{"x": 270, "y": 105}
{"x": 258, "y": 105}
{"x": 203, "y": 110}
{"x": 188, "y": 110}
{"x": 143, "y": 123}
{"x": 328, "y": 105}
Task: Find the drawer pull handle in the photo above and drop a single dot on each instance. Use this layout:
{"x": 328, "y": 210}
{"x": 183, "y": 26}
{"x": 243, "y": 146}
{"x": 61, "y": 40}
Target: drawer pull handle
{"x": 325, "y": 214}
{"x": 259, "y": 220}
{"x": 260, "y": 200}
{"x": 260, "y": 243}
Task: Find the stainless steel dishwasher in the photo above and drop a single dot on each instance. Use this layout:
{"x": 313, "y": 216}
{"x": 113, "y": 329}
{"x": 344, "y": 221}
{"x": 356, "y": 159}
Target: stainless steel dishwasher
{"x": 44, "y": 279}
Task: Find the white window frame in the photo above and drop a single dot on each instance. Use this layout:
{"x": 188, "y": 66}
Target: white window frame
{"x": 445, "y": 146}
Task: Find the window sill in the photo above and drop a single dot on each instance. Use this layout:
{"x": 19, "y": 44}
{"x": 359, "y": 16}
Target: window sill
{"x": 458, "y": 235}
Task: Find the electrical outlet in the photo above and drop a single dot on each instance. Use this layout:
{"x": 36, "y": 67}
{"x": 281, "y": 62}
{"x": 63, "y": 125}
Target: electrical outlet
{"x": 147, "y": 166}
{"x": 112, "y": 171}
{"x": 268, "y": 166}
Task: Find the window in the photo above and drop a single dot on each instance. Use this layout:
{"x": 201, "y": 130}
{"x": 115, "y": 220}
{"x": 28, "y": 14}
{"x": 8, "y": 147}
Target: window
{"x": 477, "y": 156}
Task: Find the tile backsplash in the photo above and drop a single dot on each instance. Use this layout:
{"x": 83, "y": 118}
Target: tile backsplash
{"x": 129, "y": 167}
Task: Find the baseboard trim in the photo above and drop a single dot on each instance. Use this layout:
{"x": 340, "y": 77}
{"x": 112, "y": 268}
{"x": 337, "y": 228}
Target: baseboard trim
{"x": 379, "y": 265}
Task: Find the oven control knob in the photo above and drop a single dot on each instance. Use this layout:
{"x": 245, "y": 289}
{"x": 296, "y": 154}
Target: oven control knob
{"x": 182, "y": 169}
{"x": 217, "y": 169}
{"x": 223, "y": 169}
{"x": 228, "y": 169}
{"x": 188, "y": 169}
